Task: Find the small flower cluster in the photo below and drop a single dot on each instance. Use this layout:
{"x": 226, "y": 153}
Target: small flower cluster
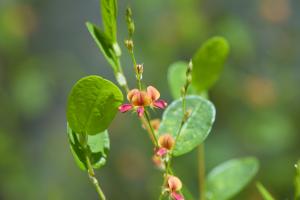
{"x": 173, "y": 187}
{"x": 140, "y": 99}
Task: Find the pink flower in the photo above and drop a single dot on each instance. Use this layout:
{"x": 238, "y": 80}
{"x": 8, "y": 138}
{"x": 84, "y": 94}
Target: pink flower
{"x": 176, "y": 196}
{"x": 140, "y": 99}
{"x": 174, "y": 185}
{"x": 165, "y": 143}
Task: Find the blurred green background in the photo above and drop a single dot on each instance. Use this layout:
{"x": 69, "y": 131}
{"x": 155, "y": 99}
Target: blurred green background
{"x": 45, "y": 48}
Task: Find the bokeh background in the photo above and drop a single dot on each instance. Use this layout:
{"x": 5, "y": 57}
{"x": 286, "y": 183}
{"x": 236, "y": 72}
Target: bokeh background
{"x": 45, "y": 48}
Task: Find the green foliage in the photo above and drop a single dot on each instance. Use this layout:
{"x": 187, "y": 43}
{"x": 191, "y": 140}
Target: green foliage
{"x": 109, "y": 18}
{"x": 186, "y": 193}
{"x": 297, "y": 181}
{"x": 197, "y": 126}
{"x": 96, "y": 149}
{"x": 264, "y": 192}
{"x": 92, "y": 105}
{"x": 229, "y": 178}
{"x": 208, "y": 63}
{"x": 177, "y": 77}
{"x": 105, "y": 44}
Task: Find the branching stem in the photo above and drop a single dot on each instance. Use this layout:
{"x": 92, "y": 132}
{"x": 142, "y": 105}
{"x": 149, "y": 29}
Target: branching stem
{"x": 93, "y": 178}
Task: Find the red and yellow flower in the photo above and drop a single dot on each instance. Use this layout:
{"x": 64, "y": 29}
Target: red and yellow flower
{"x": 140, "y": 99}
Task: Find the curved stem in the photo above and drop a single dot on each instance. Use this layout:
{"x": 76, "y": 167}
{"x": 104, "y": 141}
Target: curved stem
{"x": 93, "y": 178}
{"x": 151, "y": 129}
{"x": 201, "y": 171}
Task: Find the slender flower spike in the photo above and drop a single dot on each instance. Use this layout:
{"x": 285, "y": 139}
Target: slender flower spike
{"x": 140, "y": 99}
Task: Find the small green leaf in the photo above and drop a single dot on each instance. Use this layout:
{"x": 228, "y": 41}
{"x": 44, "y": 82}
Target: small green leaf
{"x": 196, "y": 128}
{"x": 97, "y": 148}
{"x": 109, "y": 18}
{"x": 297, "y": 181}
{"x": 177, "y": 77}
{"x": 105, "y": 44}
{"x": 264, "y": 192}
{"x": 229, "y": 178}
{"x": 208, "y": 63}
{"x": 92, "y": 105}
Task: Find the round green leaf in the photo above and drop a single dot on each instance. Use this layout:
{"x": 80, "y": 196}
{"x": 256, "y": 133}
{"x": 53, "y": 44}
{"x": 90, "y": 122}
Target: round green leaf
{"x": 97, "y": 149}
{"x": 229, "y": 178}
{"x": 177, "y": 77}
{"x": 92, "y": 105}
{"x": 208, "y": 63}
{"x": 196, "y": 128}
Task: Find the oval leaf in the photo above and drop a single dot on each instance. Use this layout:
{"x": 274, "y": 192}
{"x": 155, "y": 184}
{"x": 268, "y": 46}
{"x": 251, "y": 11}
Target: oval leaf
{"x": 196, "y": 128}
{"x": 208, "y": 63}
{"x": 97, "y": 149}
{"x": 105, "y": 44}
{"x": 177, "y": 77}
{"x": 229, "y": 178}
{"x": 109, "y": 18}
{"x": 92, "y": 105}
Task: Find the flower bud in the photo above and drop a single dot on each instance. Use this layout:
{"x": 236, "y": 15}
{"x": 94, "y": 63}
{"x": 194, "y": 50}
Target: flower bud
{"x": 130, "y": 23}
{"x": 166, "y": 141}
{"x": 139, "y": 69}
{"x": 129, "y": 44}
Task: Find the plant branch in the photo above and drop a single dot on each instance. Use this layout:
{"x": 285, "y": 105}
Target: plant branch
{"x": 93, "y": 178}
{"x": 151, "y": 129}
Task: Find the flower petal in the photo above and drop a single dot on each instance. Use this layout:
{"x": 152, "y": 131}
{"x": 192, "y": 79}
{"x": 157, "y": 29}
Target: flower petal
{"x": 161, "y": 152}
{"x": 166, "y": 141}
{"x": 153, "y": 93}
{"x": 174, "y": 183}
{"x": 176, "y": 196}
{"x": 141, "y": 98}
{"x": 160, "y": 104}
{"x": 125, "y": 107}
{"x": 140, "y": 111}
{"x": 131, "y": 93}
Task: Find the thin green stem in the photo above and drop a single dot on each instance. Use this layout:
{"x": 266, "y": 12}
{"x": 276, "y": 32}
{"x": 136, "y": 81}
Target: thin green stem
{"x": 132, "y": 58}
{"x": 151, "y": 128}
{"x": 138, "y": 76}
{"x": 93, "y": 178}
{"x": 201, "y": 171}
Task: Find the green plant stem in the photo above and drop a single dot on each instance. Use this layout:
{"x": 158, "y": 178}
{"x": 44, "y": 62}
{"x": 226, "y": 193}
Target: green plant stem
{"x": 201, "y": 171}
{"x": 138, "y": 76}
{"x": 151, "y": 128}
{"x": 93, "y": 179}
